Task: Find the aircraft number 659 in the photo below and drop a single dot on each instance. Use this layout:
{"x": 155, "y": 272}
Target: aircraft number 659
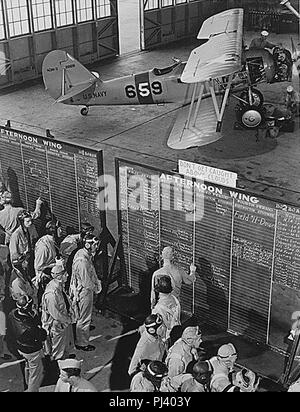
{"x": 144, "y": 89}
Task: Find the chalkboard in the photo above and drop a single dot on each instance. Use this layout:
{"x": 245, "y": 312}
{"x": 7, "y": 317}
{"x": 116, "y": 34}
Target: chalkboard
{"x": 245, "y": 246}
{"x": 63, "y": 174}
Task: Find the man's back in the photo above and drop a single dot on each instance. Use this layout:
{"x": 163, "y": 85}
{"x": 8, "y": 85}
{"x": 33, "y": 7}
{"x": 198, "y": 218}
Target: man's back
{"x": 8, "y": 220}
{"x": 148, "y": 347}
{"x": 177, "y": 276}
{"x": 140, "y": 384}
{"x": 168, "y": 307}
{"x": 178, "y": 358}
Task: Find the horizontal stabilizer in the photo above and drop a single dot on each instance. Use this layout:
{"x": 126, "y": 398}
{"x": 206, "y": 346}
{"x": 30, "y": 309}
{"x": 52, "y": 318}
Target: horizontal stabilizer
{"x": 74, "y": 91}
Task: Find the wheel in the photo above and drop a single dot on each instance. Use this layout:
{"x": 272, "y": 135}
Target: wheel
{"x": 84, "y": 111}
{"x": 250, "y": 117}
{"x": 257, "y": 97}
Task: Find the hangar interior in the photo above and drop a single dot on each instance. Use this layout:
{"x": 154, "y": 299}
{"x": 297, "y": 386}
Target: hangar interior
{"x": 245, "y": 246}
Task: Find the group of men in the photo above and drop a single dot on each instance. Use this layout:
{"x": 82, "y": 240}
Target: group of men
{"x": 168, "y": 356}
{"x": 52, "y": 282}
{"x": 48, "y": 284}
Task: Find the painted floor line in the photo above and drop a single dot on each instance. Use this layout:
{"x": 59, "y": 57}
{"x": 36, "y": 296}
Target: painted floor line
{"x": 99, "y": 368}
{"x": 7, "y": 364}
{"x": 94, "y": 337}
{"x": 123, "y": 334}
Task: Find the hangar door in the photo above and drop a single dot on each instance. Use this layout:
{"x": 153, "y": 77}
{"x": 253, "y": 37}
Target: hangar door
{"x": 129, "y": 17}
{"x": 166, "y": 21}
{"x": 29, "y": 29}
{"x": 245, "y": 247}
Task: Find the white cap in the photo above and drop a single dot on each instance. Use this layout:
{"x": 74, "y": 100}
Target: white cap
{"x": 289, "y": 89}
{"x": 69, "y": 364}
{"x": 190, "y": 333}
{"x": 264, "y": 33}
{"x": 227, "y": 350}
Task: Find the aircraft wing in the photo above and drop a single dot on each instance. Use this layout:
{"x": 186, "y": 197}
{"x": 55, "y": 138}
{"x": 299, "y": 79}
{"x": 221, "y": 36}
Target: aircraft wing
{"x": 202, "y": 132}
{"x": 221, "y": 54}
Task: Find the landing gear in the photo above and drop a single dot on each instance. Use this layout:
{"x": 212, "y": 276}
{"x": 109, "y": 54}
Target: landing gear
{"x": 252, "y": 97}
{"x": 250, "y": 117}
{"x": 249, "y": 111}
{"x": 84, "y": 111}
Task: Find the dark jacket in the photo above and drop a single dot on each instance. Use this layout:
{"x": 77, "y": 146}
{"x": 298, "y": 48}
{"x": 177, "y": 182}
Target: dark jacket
{"x": 27, "y": 331}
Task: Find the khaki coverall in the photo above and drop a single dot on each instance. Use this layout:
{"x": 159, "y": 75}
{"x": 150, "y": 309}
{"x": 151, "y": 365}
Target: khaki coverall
{"x": 168, "y": 307}
{"x": 148, "y": 347}
{"x": 84, "y": 283}
{"x": 178, "y": 358}
{"x": 21, "y": 287}
{"x": 9, "y": 221}
{"x": 220, "y": 381}
{"x": 56, "y": 320}
{"x": 44, "y": 254}
{"x": 177, "y": 275}
{"x": 141, "y": 384}
{"x": 18, "y": 244}
{"x": 184, "y": 382}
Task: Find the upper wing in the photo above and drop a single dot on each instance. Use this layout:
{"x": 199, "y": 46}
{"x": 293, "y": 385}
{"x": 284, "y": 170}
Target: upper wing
{"x": 221, "y": 54}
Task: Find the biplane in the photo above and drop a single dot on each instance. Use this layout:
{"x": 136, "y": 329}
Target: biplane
{"x": 216, "y": 69}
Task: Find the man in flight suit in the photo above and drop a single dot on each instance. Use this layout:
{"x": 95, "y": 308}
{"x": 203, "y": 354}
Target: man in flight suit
{"x": 167, "y": 306}
{"x": 70, "y": 246}
{"x": 197, "y": 381}
{"x": 21, "y": 245}
{"x": 222, "y": 376}
{"x": 177, "y": 275}
{"x": 46, "y": 249}
{"x": 9, "y": 214}
{"x": 184, "y": 351}
{"x": 84, "y": 283}
{"x": 150, "y": 345}
{"x": 56, "y": 316}
{"x": 150, "y": 379}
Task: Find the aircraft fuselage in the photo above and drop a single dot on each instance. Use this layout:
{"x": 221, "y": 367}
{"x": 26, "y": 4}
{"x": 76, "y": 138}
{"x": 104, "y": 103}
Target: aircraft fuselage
{"x": 155, "y": 87}
{"x": 141, "y": 88}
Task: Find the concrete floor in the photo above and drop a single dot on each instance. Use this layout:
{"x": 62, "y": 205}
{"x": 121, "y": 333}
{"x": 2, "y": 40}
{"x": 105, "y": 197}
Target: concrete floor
{"x": 140, "y": 133}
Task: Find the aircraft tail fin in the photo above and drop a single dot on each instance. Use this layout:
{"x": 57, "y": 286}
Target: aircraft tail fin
{"x": 64, "y": 76}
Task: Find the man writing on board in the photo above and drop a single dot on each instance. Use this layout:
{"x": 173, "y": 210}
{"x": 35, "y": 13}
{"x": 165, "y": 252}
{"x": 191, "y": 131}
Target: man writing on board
{"x": 177, "y": 275}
